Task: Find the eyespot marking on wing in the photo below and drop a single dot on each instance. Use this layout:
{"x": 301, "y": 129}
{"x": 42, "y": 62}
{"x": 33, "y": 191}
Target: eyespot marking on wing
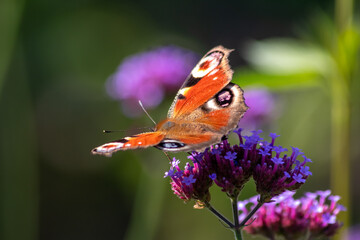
{"x": 207, "y": 64}
{"x": 168, "y": 144}
{"x": 224, "y": 98}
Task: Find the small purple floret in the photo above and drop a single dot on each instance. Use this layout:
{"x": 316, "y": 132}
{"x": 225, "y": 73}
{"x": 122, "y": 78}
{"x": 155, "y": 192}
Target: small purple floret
{"x": 277, "y": 160}
{"x": 175, "y": 162}
{"x": 230, "y": 156}
{"x": 274, "y": 135}
{"x": 305, "y": 171}
{"x": 299, "y": 178}
{"x": 170, "y": 173}
{"x": 189, "y": 180}
{"x": 212, "y": 176}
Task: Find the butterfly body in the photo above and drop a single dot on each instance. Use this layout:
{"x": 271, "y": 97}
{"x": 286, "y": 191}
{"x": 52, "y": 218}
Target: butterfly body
{"x": 206, "y": 108}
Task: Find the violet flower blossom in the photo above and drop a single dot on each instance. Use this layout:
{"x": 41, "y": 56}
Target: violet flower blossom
{"x": 191, "y": 183}
{"x": 230, "y": 167}
{"x": 147, "y": 76}
{"x": 309, "y": 217}
{"x": 354, "y": 232}
{"x": 261, "y": 110}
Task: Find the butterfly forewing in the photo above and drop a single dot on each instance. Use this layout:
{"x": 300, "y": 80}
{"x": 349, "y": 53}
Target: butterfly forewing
{"x": 209, "y": 76}
{"x": 142, "y": 140}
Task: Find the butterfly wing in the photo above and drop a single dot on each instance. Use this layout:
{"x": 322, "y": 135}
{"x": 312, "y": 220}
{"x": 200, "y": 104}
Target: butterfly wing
{"x": 207, "y": 124}
{"x": 142, "y": 140}
{"x": 209, "y": 76}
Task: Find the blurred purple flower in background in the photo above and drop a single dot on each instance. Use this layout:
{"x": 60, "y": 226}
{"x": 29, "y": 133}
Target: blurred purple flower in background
{"x": 261, "y": 108}
{"x": 313, "y": 216}
{"x": 147, "y": 76}
{"x": 354, "y": 233}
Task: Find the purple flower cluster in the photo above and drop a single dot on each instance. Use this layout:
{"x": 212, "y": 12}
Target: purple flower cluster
{"x": 148, "y": 75}
{"x": 313, "y": 215}
{"x": 261, "y": 108}
{"x": 230, "y": 167}
{"x": 191, "y": 183}
{"x": 276, "y": 171}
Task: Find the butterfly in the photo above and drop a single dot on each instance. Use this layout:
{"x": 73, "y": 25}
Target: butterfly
{"x": 206, "y": 108}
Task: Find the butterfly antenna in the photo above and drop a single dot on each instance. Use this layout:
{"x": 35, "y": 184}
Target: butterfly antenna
{"x": 141, "y": 105}
{"x": 112, "y": 131}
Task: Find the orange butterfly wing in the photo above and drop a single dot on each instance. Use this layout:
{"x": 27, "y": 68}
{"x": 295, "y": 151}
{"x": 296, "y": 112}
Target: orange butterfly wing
{"x": 209, "y": 76}
{"x": 205, "y": 125}
{"x": 142, "y": 140}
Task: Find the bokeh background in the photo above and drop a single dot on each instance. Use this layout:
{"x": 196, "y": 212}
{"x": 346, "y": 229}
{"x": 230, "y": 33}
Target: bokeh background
{"x": 56, "y": 57}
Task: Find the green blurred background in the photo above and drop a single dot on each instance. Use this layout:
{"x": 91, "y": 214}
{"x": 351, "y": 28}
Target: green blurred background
{"x": 55, "y": 57}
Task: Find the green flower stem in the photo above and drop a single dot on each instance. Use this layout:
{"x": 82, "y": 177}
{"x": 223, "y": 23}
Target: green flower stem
{"x": 219, "y": 215}
{"x": 10, "y": 18}
{"x": 251, "y": 214}
{"x": 238, "y": 234}
{"x": 236, "y": 227}
{"x": 340, "y": 145}
{"x": 340, "y": 117}
{"x": 343, "y": 13}
{"x": 237, "y": 230}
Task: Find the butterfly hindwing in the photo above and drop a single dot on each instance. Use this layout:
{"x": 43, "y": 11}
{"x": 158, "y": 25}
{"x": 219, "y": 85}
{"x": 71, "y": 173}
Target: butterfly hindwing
{"x": 224, "y": 111}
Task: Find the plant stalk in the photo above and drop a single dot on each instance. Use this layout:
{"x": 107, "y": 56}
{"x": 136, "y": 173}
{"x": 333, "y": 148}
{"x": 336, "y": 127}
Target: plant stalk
{"x": 340, "y": 117}
{"x": 237, "y": 230}
{"x": 251, "y": 214}
{"x": 219, "y": 215}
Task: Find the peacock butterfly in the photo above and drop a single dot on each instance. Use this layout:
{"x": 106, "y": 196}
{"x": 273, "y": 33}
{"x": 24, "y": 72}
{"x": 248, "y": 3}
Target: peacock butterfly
{"x": 207, "y": 107}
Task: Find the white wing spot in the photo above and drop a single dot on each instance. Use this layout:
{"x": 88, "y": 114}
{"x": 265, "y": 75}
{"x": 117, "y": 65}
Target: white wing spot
{"x": 215, "y": 78}
{"x": 139, "y": 143}
{"x": 183, "y": 90}
{"x": 213, "y": 72}
{"x": 127, "y": 145}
